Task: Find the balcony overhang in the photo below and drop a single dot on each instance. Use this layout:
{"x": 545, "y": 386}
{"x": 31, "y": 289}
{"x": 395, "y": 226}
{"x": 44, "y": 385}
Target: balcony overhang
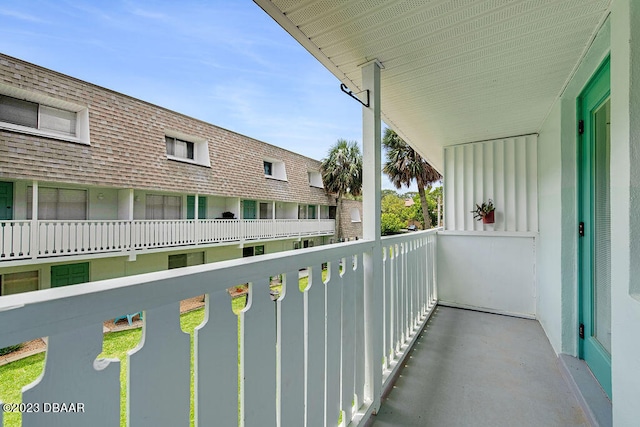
{"x": 454, "y": 72}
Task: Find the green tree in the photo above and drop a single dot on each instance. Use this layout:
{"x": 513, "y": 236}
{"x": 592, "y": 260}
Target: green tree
{"x": 393, "y": 204}
{"x": 403, "y": 164}
{"x": 342, "y": 174}
{"x": 390, "y": 223}
{"x": 386, "y": 192}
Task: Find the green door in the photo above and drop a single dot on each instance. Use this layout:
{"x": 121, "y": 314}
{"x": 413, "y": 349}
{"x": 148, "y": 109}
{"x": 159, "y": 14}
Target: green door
{"x": 69, "y": 274}
{"x": 191, "y": 207}
{"x": 6, "y": 201}
{"x": 595, "y": 227}
{"x": 249, "y": 209}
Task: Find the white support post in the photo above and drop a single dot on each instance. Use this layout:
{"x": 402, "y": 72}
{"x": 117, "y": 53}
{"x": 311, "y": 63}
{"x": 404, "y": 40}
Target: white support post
{"x": 196, "y": 220}
{"x": 34, "y": 221}
{"x": 131, "y": 201}
{"x": 372, "y": 262}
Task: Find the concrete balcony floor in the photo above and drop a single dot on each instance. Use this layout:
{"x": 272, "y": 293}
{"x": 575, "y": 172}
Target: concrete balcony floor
{"x": 476, "y": 369}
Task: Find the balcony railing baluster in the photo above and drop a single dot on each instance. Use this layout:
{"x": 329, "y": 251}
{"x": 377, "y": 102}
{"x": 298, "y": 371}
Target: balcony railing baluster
{"x": 67, "y": 237}
{"x": 298, "y": 356}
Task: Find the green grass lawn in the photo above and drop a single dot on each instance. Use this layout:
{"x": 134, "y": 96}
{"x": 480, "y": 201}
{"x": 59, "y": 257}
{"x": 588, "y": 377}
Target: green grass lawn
{"x": 14, "y": 376}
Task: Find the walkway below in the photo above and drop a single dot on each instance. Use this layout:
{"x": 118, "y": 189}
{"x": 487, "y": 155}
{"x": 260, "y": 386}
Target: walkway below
{"x": 477, "y": 369}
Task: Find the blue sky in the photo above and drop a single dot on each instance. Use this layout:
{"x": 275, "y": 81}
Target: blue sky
{"x": 225, "y": 62}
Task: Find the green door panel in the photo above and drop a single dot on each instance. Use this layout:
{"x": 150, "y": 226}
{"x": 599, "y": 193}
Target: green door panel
{"x": 249, "y": 209}
{"x": 6, "y": 201}
{"x": 191, "y": 207}
{"x": 69, "y": 274}
{"x": 594, "y": 212}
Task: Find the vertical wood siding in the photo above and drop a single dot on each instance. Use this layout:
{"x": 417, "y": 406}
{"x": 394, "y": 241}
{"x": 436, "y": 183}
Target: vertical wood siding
{"x": 504, "y": 170}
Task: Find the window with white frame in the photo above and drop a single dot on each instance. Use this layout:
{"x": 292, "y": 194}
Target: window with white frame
{"x": 355, "y": 215}
{"x": 163, "y": 207}
{"x": 179, "y": 148}
{"x": 274, "y": 169}
{"x": 315, "y": 179}
{"x": 33, "y": 113}
{"x": 187, "y": 148}
{"x": 58, "y": 203}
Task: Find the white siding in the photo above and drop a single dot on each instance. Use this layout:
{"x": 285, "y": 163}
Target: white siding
{"x": 504, "y": 170}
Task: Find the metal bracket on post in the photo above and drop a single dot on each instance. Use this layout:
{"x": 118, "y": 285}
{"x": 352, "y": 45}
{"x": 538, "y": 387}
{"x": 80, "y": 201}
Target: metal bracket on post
{"x": 345, "y": 89}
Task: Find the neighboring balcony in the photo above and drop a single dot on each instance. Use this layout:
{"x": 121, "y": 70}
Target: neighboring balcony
{"x": 77, "y": 238}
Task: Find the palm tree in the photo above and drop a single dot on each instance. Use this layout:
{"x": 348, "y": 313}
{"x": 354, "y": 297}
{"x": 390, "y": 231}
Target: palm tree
{"x": 342, "y": 174}
{"x": 403, "y": 165}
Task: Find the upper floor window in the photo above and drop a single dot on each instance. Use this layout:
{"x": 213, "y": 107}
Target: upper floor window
{"x": 35, "y": 113}
{"x": 179, "y": 148}
{"x": 268, "y": 168}
{"x": 186, "y": 148}
{"x": 355, "y": 215}
{"x": 274, "y": 169}
{"x": 315, "y": 179}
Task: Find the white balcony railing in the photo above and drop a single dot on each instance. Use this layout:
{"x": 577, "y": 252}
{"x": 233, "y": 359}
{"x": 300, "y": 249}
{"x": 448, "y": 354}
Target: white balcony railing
{"x": 306, "y": 359}
{"x": 60, "y": 238}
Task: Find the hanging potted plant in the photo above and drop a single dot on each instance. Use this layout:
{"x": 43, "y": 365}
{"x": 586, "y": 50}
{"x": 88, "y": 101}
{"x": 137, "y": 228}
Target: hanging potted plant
{"x": 485, "y": 211}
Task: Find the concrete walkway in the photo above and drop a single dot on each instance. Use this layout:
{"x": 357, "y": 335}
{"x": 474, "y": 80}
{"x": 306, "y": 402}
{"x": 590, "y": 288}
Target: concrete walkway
{"x": 477, "y": 369}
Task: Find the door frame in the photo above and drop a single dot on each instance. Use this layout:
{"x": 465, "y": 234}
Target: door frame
{"x": 593, "y": 96}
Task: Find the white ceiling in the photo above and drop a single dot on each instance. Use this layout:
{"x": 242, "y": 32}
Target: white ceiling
{"x": 455, "y": 71}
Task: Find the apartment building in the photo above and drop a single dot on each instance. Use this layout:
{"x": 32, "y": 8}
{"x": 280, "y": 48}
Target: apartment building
{"x": 95, "y": 184}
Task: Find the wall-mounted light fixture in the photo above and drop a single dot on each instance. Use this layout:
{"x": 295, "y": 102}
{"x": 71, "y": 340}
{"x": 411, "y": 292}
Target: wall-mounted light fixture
{"x": 100, "y": 196}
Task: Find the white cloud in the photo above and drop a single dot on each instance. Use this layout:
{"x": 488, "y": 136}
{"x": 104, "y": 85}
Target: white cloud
{"x": 21, "y": 16}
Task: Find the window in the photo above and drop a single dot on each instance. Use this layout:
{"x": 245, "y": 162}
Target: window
{"x": 252, "y": 251}
{"x": 179, "y": 148}
{"x": 355, "y": 215}
{"x": 37, "y": 116}
{"x": 186, "y": 260}
{"x": 163, "y": 207}
{"x": 312, "y": 212}
{"x": 274, "y": 169}
{"x": 58, "y": 203}
{"x": 187, "y": 148}
{"x": 302, "y": 211}
{"x": 15, "y": 283}
{"x": 266, "y": 211}
{"x": 315, "y": 179}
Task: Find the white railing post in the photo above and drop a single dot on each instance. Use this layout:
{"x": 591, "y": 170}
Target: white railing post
{"x": 196, "y": 222}
{"x": 35, "y": 247}
{"x": 372, "y": 261}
